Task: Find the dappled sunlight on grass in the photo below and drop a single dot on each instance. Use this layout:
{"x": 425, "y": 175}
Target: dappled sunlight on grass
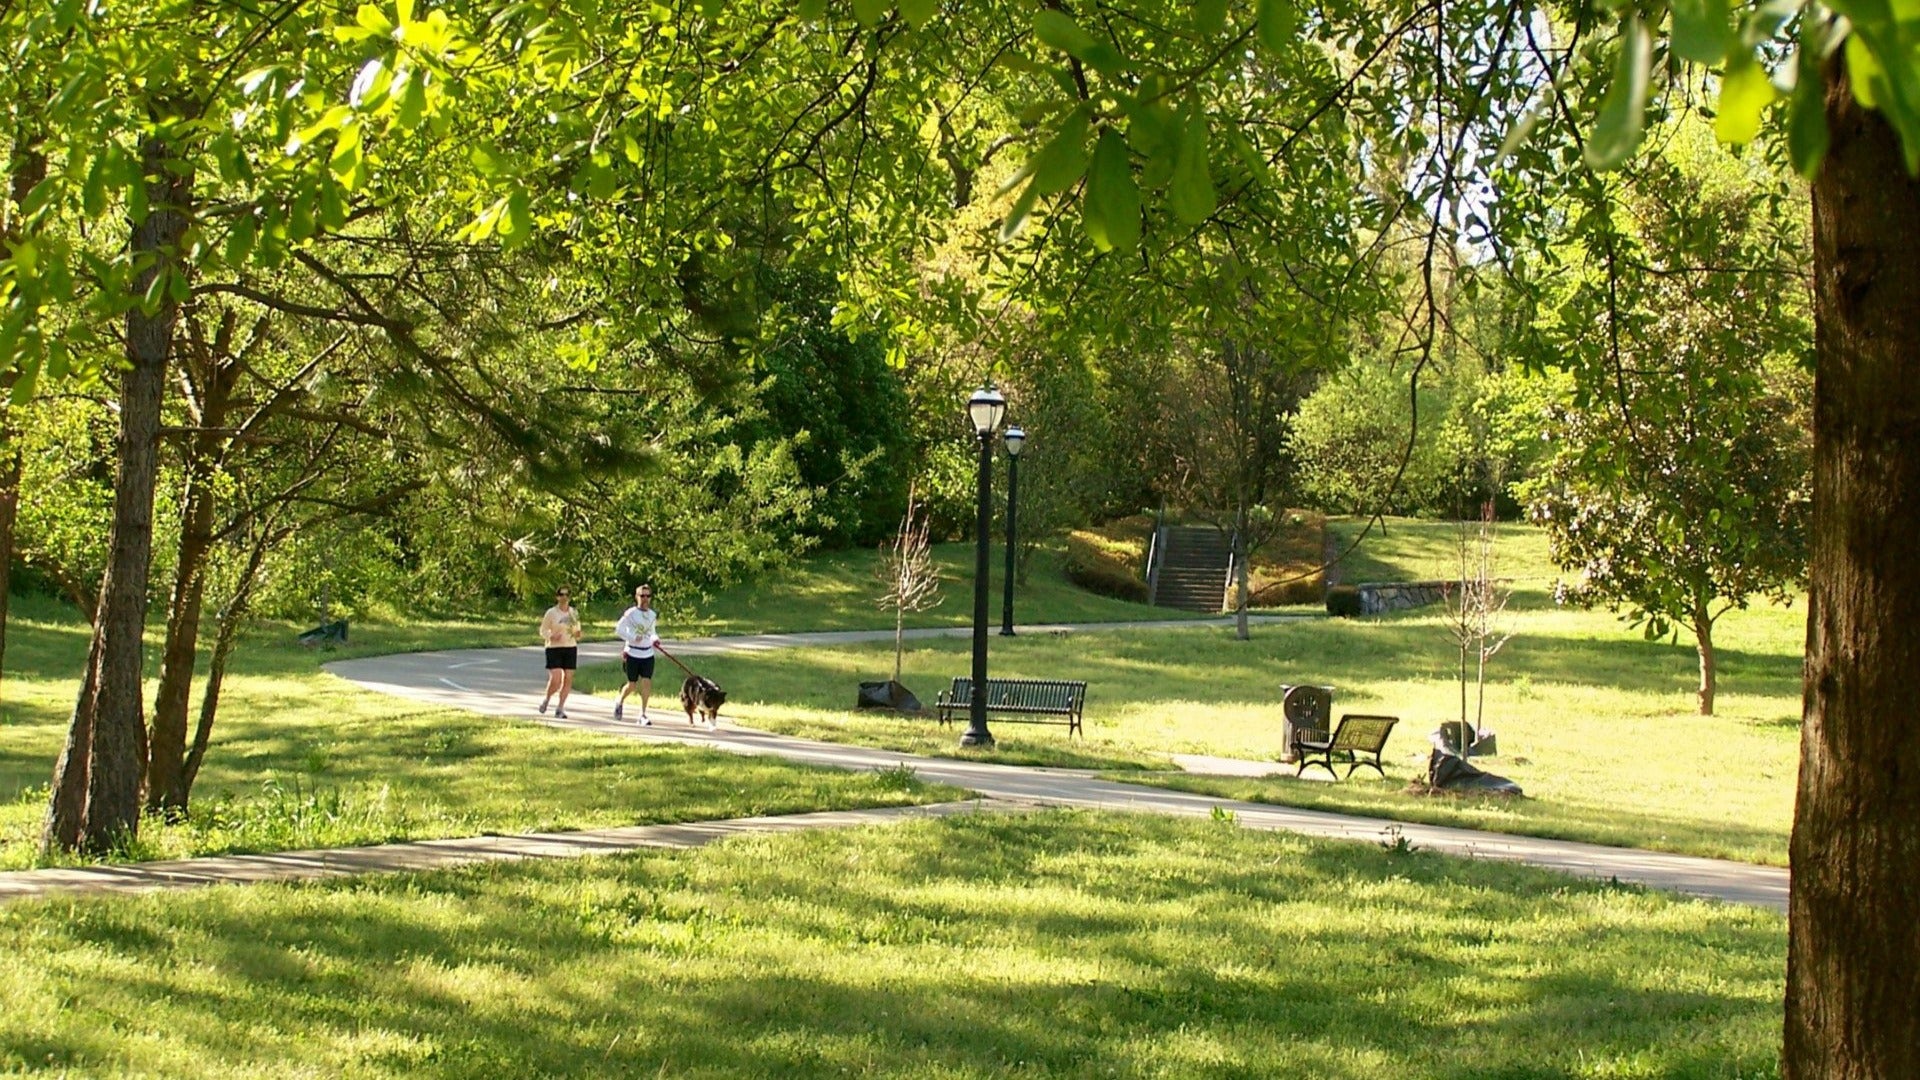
{"x": 1051, "y": 944}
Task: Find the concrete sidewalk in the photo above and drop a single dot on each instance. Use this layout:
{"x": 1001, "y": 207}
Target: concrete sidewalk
{"x": 508, "y": 682}
{"x": 437, "y": 854}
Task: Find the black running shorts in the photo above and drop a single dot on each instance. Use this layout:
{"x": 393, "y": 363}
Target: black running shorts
{"x": 567, "y": 658}
{"x": 638, "y": 667}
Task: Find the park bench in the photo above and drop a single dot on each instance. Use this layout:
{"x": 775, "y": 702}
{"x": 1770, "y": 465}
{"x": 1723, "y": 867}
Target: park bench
{"x": 1020, "y": 701}
{"x": 1356, "y": 738}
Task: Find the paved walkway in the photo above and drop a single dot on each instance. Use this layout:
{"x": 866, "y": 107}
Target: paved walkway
{"x": 507, "y": 682}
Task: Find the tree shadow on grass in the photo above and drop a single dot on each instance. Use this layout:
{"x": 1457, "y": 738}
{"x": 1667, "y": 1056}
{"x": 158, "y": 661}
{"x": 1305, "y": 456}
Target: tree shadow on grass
{"x": 1060, "y": 944}
{"x": 1207, "y": 665}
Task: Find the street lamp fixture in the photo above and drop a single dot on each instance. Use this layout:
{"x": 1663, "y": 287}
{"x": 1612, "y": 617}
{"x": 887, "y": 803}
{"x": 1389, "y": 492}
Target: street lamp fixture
{"x": 984, "y": 409}
{"x": 1015, "y": 438}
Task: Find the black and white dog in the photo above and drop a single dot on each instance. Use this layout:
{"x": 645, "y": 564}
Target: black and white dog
{"x": 703, "y": 696}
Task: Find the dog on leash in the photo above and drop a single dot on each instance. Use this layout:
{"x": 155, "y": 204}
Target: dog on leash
{"x": 703, "y": 696}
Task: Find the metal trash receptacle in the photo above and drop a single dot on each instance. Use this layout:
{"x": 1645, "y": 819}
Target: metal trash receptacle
{"x": 1303, "y": 706}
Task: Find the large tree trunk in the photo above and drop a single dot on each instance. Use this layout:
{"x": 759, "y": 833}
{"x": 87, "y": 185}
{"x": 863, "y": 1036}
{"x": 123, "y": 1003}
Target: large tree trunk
{"x": 111, "y": 707}
{"x": 1853, "y": 988}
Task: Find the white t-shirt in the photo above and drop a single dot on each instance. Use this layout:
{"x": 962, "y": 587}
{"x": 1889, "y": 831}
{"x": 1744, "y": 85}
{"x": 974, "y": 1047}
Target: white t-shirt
{"x": 636, "y": 628}
{"x": 560, "y": 629}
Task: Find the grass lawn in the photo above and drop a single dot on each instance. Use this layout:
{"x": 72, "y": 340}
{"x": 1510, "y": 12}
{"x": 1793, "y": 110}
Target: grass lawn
{"x": 1055, "y": 944}
{"x": 1596, "y": 723}
{"x": 302, "y": 759}
{"x": 836, "y": 591}
{"x": 1410, "y": 549}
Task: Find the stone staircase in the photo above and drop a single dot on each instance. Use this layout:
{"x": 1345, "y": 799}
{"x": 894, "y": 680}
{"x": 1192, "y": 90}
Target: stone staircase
{"x": 1191, "y": 569}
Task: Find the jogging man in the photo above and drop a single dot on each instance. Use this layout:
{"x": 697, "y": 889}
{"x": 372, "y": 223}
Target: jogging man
{"x": 636, "y": 628}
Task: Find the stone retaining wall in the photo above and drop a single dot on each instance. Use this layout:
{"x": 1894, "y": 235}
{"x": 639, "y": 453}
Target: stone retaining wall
{"x": 1381, "y": 597}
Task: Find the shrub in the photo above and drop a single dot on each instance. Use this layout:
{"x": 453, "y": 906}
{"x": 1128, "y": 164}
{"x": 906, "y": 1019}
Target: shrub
{"x": 1344, "y": 601}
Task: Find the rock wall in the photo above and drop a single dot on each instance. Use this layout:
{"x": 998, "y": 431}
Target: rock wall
{"x": 1378, "y": 598}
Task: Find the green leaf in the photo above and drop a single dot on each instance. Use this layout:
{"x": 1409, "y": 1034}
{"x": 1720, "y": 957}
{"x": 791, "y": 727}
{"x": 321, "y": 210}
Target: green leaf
{"x": 93, "y": 197}
{"x": 1191, "y": 194}
{"x": 600, "y": 178}
{"x": 27, "y": 379}
{"x": 1702, "y": 30}
{"x": 1276, "y": 22}
{"x": 373, "y": 21}
{"x": 1210, "y": 16}
{"x": 1017, "y": 215}
{"x": 516, "y": 222}
{"x": 1062, "y": 161}
{"x": 1864, "y": 72}
{"x": 240, "y": 241}
{"x": 871, "y": 12}
{"x": 1623, "y": 112}
{"x": 1745, "y": 93}
{"x": 919, "y": 12}
{"x": 413, "y": 101}
{"x": 811, "y": 10}
{"x": 345, "y": 160}
{"x": 1807, "y": 135}
{"x": 1112, "y": 204}
{"x": 1057, "y": 29}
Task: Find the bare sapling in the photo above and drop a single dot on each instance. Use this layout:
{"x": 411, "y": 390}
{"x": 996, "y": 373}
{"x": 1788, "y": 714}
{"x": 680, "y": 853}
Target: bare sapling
{"x": 1474, "y": 608}
{"x": 907, "y": 573}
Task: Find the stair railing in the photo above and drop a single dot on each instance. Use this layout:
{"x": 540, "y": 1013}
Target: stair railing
{"x": 1156, "y": 554}
{"x": 1226, "y": 590}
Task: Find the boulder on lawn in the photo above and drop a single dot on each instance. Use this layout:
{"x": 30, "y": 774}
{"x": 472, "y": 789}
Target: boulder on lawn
{"x": 888, "y": 695}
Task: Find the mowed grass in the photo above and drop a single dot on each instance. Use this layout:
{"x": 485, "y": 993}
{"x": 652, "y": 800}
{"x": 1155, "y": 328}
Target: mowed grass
{"x": 1410, "y": 549}
{"x": 302, "y": 759}
{"x": 1052, "y": 944}
{"x": 837, "y": 591}
{"x": 1594, "y": 722}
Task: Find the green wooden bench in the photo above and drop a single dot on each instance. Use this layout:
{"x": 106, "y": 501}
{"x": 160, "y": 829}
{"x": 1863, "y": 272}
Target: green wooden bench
{"x": 1019, "y": 701}
{"x": 1356, "y": 739}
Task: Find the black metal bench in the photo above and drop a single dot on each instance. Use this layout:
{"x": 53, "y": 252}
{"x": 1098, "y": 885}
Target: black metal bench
{"x": 1355, "y": 739}
{"x": 1019, "y": 701}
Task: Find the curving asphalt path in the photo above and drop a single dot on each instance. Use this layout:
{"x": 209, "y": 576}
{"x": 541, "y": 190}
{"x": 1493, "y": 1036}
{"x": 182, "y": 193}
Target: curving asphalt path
{"x": 507, "y": 682}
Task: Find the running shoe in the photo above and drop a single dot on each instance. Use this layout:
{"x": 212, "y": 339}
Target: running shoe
{"x": 559, "y": 714}
{"x": 543, "y": 708}
{"x": 618, "y": 712}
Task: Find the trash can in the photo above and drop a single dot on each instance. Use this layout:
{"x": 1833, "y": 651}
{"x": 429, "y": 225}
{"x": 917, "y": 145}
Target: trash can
{"x": 1304, "y": 708}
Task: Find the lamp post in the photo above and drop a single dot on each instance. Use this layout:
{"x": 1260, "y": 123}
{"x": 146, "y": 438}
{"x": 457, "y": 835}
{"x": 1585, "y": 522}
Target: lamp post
{"x": 1015, "y": 438}
{"x": 984, "y": 408}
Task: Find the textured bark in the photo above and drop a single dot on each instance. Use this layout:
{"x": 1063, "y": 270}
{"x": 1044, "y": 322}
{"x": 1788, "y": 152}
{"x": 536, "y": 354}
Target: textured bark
{"x": 1853, "y": 988}
{"x": 111, "y": 707}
